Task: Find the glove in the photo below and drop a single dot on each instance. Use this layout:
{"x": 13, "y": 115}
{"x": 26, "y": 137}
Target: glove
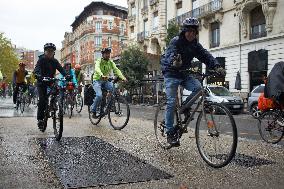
{"x": 220, "y": 71}
{"x": 177, "y": 62}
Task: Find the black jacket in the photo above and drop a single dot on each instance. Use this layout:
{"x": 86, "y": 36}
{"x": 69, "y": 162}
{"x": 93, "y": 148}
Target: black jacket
{"x": 275, "y": 81}
{"x": 188, "y": 51}
{"x": 47, "y": 67}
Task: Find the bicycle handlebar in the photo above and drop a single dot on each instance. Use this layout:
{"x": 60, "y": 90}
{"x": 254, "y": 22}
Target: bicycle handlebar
{"x": 52, "y": 79}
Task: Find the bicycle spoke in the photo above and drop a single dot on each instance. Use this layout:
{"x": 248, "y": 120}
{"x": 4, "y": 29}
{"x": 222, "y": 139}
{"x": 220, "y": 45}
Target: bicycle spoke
{"x": 215, "y": 146}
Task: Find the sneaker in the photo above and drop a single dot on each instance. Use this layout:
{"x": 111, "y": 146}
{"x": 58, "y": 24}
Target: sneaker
{"x": 95, "y": 115}
{"x": 40, "y": 124}
{"x": 173, "y": 139}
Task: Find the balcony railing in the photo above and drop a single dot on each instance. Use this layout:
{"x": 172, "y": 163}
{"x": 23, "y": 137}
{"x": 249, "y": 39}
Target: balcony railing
{"x": 142, "y": 35}
{"x": 153, "y": 2}
{"x": 256, "y": 35}
{"x": 144, "y": 9}
{"x": 200, "y": 12}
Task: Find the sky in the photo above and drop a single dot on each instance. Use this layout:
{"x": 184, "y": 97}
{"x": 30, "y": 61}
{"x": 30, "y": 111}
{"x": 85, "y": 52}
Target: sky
{"x": 32, "y": 23}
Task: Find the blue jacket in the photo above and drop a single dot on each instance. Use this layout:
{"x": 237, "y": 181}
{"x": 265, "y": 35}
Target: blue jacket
{"x": 72, "y": 74}
{"x": 188, "y": 51}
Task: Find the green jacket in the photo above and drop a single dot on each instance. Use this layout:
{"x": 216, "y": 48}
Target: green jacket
{"x": 104, "y": 68}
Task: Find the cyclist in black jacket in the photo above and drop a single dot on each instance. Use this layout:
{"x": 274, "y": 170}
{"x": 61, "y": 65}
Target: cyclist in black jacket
{"x": 46, "y": 67}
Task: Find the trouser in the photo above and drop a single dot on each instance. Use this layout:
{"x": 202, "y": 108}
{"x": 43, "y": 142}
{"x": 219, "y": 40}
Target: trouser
{"x": 43, "y": 100}
{"x": 98, "y": 85}
{"x": 171, "y": 84}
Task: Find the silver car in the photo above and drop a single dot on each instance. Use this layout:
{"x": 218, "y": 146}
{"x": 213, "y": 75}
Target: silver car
{"x": 253, "y": 100}
{"x": 220, "y": 94}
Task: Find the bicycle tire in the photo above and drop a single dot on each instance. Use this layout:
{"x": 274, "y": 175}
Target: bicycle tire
{"x": 212, "y": 131}
{"x": 79, "y": 106}
{"x": 119, "y": 113}
{"x": 22, "y": 103}
{"x": 58, "y": 121}
{"x": 94, "y": 121}
{"x": 45, "y": 119}
{"x": 269, "y": 130}
{"x": 69, "y": 107}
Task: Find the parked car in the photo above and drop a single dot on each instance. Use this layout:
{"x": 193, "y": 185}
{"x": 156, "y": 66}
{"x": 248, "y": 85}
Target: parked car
{"x": 253, "y": 100}
{"x": 220, "y": 94}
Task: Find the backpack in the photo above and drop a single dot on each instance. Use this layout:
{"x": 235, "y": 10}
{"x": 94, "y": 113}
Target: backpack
{"x": 265, "y": 103}
{"x": 275, "y": 82}
{"x": 89, "y": 94}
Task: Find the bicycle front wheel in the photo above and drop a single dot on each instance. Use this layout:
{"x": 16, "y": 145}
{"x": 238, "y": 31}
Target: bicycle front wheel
{"x": 269, "y": 128}
{"x": 216, "y": 135}
{"x": 79, "y": 103}
{"x": 58, "y": 121}
{"x": 94, "y": 120}
{"x": 119, "y": 113}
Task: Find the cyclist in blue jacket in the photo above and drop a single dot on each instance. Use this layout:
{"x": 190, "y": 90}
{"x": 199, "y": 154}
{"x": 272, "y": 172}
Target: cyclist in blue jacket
{"x": 174, "y": 62}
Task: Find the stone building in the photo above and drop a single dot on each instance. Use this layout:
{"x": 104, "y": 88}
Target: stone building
{"x": 98, "y": 26}
{"x": 244, "y": 35}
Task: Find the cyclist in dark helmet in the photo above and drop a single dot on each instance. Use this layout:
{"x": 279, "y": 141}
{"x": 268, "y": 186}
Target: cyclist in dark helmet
{"x": 46, "y": 67}
{"x": 103, "y": 68}
{"x": 176, "y": 59}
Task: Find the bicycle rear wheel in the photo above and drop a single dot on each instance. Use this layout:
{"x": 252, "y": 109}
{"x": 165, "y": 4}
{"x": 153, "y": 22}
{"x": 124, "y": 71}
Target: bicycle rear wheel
{"x": 57, "y": 120}
{"x": 119, "y": 113}
{"x": 79, "y": 103}
{"x": 94, "y": 120}
{"x": 269, "y": 130}
{"x": 216, "y": 135}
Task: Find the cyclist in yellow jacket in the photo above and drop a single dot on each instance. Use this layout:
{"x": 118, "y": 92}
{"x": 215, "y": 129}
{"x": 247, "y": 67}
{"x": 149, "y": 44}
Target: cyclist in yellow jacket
{"x": 19, "y": 79}
{"x": 103, "y": 68}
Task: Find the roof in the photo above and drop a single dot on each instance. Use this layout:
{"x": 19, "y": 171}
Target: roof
{"x": 94, "y": 4}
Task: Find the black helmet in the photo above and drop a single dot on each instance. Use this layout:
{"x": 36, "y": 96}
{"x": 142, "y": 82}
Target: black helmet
{"x": 190, "y": 22}
{"x": 49, "y": 46}
{"x": 108, "y": 49}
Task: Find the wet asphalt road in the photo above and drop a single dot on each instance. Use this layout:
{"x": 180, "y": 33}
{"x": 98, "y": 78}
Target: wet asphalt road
{"x": 24, "y": 165}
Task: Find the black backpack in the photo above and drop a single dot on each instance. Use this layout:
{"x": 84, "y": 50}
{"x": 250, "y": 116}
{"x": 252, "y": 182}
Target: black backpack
{"x": 89, "y": 94}
{"x": 274, "y": 88}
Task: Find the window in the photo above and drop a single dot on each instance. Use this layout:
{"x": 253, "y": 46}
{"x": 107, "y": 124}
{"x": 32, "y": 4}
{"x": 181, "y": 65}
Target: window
{"x": 179, "y": 8}
{"x": 122, "y": 28}
{"x": 98, "y": 26}
{"x": 110, "y": 26}
{"x": 133, "y": 10}
{"x": 155, "y": 21}
{"x": 109, "y": 41}
{"x": 98, "y": 41}
{"x": 258, "y": 24}
{"x": 145, "y": 3}
{"x": 132, "y": 29}
{"x": 215, "y": 35}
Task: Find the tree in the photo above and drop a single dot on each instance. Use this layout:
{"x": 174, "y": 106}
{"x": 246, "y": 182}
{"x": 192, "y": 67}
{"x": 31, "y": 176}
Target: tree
{"x": 8, "y": 58}
{"x": 133, "y": 64}
{"x": 172, "y": 31}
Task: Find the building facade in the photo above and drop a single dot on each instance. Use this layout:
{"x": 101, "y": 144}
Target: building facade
{"x": 98, "y": 26}
{"x": 244, "y": 35}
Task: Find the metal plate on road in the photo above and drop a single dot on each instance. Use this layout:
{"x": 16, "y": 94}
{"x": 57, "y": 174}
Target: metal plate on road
{"x": 90, "y": 161}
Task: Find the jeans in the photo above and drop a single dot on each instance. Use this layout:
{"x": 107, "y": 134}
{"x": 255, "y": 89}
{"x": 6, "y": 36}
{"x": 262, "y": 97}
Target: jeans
{"x": 171, "y": 84}
{"x": 98, "y": 85}
{"x": 43, "y": 100}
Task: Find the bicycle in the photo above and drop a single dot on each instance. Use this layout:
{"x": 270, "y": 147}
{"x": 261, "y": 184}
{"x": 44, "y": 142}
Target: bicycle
{"x": 271, "y": 125}
{"x": 21, "y": 99}
{"x": 79, "y": 99}
{"x": 69, "y": 99}
{"x": 113, "y": 105}
{"x": 208, "y": 131}
{"x": 54, "y": 108}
